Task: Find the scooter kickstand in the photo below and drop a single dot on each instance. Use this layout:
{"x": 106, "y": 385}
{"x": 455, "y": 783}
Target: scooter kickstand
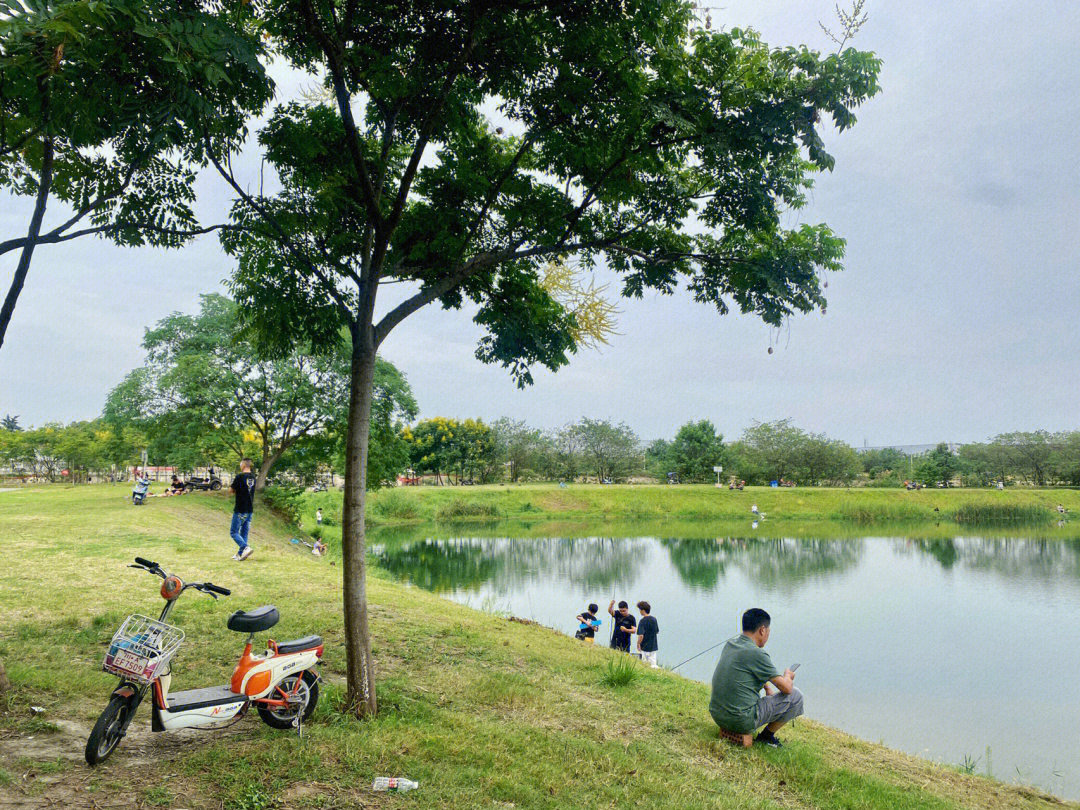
{"x": 298, "y": 724}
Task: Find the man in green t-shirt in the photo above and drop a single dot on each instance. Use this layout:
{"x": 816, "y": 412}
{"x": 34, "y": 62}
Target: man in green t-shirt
{"x": 743, "y": 669}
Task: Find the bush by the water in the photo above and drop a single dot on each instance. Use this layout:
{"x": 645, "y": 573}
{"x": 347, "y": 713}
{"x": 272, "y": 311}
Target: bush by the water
{"x": 393, "y": 505}
{"x": 458, "y": 509}
{"x": 287, "y": 501}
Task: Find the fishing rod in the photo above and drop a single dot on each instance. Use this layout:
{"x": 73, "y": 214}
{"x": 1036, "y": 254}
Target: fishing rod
{"x": 698, "y": 655}
{"x": 692, "y": 657}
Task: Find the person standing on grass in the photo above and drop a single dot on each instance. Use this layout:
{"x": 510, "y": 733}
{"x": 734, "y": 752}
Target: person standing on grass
{"x": 244, "y": 487}
{"x": 743, "y": 669}
{"x": 588, "y": 624}
{"x": 647, "y": 629}
{"x": 624, "y": 626}
{"x": 318, "y": 516}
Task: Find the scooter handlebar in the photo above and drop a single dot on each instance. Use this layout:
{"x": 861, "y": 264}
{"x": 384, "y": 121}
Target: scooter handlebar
{"x": 210, "y": 586}
{"x": 145, "y": 563}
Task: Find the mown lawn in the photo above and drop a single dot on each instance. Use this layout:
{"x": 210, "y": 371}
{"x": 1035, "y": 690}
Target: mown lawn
{"x": 482, "y": 711}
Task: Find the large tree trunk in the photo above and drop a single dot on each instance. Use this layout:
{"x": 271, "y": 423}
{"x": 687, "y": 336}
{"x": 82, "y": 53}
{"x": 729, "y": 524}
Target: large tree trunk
{"x": 44, "y": 184}
{"x": 360, "y": 676}
{"x": 268, "y": 462}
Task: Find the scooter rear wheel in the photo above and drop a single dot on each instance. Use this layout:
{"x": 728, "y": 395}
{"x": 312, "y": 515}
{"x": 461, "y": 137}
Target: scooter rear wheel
{"x": 307, "y": 696}
{"x": 107, "y": 731}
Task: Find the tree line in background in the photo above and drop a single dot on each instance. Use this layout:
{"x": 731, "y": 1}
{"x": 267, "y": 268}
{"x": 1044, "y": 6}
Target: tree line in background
{"x": 210, "y": 428}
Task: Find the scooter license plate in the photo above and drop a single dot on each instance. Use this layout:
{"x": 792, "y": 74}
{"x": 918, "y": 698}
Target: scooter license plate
{"x": 129, "y": 662}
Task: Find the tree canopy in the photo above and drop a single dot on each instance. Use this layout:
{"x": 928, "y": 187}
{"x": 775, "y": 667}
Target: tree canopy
{"x": 461, "y": 145}
{"x": 206, "y": 394}
{"x": 106, "y": 106}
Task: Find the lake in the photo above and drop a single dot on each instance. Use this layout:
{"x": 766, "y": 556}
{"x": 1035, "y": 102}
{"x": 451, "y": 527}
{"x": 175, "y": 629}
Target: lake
{"x": 960, "y": 650}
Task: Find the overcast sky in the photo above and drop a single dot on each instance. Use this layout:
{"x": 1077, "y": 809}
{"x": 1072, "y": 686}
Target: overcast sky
{"x": 955, "y": 319}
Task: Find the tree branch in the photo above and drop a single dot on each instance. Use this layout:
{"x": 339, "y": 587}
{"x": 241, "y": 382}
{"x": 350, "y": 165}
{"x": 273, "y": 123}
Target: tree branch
{"x": 283, "y": 237}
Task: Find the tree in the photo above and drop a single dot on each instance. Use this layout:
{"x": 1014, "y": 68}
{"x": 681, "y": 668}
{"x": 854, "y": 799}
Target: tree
{"x": 205, "y": 384}
{"x": 696, "y": 449}
{"x": 612, "y": 451}
{"x": 516, "y": 444}
{"x": 619, "y": 123}
{"x": 441, "y": 445}
{"x": 1030, "y": 453}
{"x": 776, "y": 447}
{"x": 10, "y": 422}
{"x": 106, "y": 105}
{"x": 939, "y": 466}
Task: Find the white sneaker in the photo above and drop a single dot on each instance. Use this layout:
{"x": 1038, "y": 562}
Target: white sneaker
{"x": 236, "y": 556}
{"x": 247, "y": 552}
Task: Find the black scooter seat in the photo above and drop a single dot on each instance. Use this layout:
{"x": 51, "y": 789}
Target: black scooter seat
{"x": 252, "y": 621}
{"x": 305, "y": 643}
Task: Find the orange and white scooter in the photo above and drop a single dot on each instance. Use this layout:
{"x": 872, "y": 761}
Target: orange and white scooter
{"x": 282, "y": 682}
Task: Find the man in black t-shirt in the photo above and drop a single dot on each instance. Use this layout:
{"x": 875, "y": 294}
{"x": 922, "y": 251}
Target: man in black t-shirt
{"x": 624, "y": 626}
{"x": 646, "y": 634}
{"x": 244, "y": 487}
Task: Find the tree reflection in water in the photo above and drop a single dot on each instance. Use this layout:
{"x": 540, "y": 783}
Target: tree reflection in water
{"x": 765, "y": 561}
{"x": 1014, "y": 558}
{"x": 504, "y": 565}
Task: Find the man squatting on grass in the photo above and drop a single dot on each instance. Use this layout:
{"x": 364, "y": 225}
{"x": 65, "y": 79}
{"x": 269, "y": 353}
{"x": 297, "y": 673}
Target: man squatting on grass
{"x": 244, "y": 487}
{"x": 743, "y": 669}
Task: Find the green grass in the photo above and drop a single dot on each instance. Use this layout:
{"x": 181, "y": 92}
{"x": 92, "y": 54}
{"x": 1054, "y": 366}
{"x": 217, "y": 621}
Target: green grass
{"x": 482, "y": 711}
{"x": 690, "y": 503}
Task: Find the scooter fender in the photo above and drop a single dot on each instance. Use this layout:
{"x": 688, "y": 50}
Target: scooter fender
{"x": 267, "y": 672}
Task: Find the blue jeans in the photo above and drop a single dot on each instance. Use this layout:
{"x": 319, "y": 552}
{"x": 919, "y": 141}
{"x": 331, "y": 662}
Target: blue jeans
{"x": 241, "y": 523}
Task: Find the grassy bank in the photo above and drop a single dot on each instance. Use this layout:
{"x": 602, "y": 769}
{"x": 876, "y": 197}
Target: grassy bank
{"x": 862, "y": 507}
{"x": 484, "y": 712}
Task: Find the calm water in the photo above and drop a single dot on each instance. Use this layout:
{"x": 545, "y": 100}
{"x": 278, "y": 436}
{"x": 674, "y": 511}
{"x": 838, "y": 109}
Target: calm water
{"x": 943, "y": 648}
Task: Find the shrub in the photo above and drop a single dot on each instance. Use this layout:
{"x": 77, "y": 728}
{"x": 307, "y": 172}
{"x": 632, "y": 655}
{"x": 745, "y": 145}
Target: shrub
{"x": 394, "y": 505}
{"x": 620, "y": 670}
{"x": 458, "y": 509}
{"x": 285, "y": 500}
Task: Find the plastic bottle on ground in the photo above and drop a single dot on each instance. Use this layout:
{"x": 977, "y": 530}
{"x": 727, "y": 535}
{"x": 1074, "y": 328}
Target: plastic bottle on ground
{"x": 394, "y": 784}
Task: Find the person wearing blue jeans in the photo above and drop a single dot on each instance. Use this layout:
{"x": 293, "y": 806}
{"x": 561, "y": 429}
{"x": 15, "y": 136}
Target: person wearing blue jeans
{"x": 243, "y": 486}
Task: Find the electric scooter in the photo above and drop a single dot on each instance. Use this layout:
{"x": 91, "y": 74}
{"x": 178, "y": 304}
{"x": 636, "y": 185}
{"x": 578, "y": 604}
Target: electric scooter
{"x": 138, "y": 492}
{"x": 281, "y": 683}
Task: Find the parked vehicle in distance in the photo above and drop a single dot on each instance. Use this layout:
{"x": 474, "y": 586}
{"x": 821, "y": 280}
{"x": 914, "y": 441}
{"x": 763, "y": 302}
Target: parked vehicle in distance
{"x": 211, "y": 482}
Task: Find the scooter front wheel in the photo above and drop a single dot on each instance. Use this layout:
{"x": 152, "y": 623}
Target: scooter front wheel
{"x": 304, "y": 700}
{"x": 108, "y": 730}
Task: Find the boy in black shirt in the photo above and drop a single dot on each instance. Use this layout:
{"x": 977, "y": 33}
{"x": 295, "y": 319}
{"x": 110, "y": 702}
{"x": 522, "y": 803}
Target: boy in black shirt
{"x": 646, "y": 634}
{"x": 244, "y": 487}
{"x": 588, "y": 624}
{"x": 624, "y": 626}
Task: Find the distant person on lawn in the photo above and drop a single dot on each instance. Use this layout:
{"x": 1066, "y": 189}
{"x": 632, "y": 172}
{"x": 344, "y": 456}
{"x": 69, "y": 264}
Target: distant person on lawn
{"x": 624, "y": 626}
{"x": 744, "y": 668}
{"x": 244, "y": 487}
{"x": 647, "y": 629}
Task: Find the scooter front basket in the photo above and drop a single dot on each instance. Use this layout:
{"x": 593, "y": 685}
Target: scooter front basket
{"x": 141, "y": 648}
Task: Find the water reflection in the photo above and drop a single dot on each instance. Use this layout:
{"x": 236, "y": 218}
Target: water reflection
{"x": 502, "y": 564}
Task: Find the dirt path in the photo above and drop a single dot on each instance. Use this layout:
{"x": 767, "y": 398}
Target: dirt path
{"x": 48, "y": 768}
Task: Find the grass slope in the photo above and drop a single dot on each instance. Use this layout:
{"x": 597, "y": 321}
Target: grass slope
{"x": 484, "y": 712}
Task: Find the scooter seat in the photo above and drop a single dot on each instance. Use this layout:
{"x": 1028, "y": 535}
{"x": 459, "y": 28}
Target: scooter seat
{"x": 252, "y": 621}
{"x": 305, "y": 643}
